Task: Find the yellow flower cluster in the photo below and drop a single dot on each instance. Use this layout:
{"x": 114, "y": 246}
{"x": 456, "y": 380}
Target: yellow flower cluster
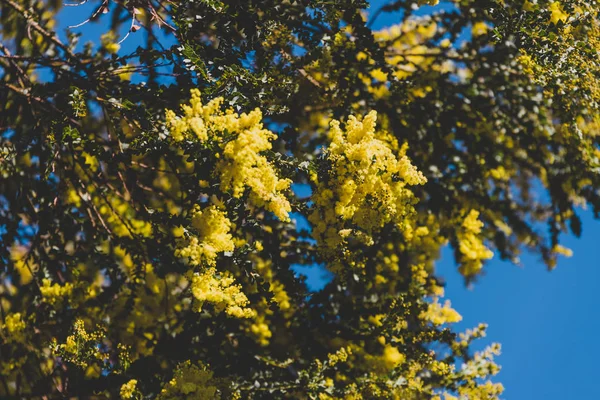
{"x": 128, "y": 389}
{"x": 392, "y": 357}
{"x": 55, "y": 293}
{"x": 190, "y": 382}
{"x": 439, "y": 314}
{"x": 381, "y": 361}
{"x": 471, "y": 247}
{"x": 212, "y": 226}
{"x": 259, "y": 329}
{"x": 221, "y": 292}
{"x": 406, "y": 48}
{"x": 108, "y": 41}
{"x": 557, "y": 13}
{"x": 367, "y": 186}
{"x": 81, "y": 347}
{"x": 13, "y": 326}
{"x": 479, "y": 28}
{"x": 562, "y": 250}
{"x": 242, "y": 165}
{"x": 339, "y": 356}
{"x": 482, "y": 364}
{"x": 407, "y": 52}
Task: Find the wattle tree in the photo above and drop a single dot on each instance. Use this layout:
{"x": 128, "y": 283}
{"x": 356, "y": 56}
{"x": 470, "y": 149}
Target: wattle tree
{"x": 156, "y": 205}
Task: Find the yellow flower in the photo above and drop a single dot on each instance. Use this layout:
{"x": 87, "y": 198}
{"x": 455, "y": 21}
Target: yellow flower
{"x": 14, "y": 327}
{"x": 471, "y": 247}
{"x": 241, "y": 164}
{"x": 441, "y": 314}
{"x": 557, "y": 13}
{"x": 479, "y": 28}
{"x": 339, "y": 356}
{"x": 54, "y": 293}
{"x": 565, "y": 251}
{"x": 379, "y": 75}
{"x": 108, "y": 41}
{"x": 260, "y": 330}
{"x": 128, "y": 389}
{"x": 367, "y": 186}
{"x": 221, "y": 292}
{"x": 213, "y": 228}
{"x": 392, "y": 357}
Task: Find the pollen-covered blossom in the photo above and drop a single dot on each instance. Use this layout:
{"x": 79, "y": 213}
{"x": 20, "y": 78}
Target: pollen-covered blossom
{"x": 242, "y": 140}
{"x": 221, "y": 292}
{"x": 54, "y": 293}
{"x": 81, "y": 347}
{"x": 392, "y": 357}
{"x": 259, "y": 329}
{"x": 565, "y": 251}
{"x": 212, "y": 226}
{"x": 439, "y": 314}
{"x": 339, "y": 356}
{"x": 481, "y": 365}
{"x": 13, "y": 326}
{"x": 128, "y": 389}
{"x": 557, "y": 13}
{"x": 243, "y": 167}
{"x": 471, "y": 247}
{"x": 367, "y": 187}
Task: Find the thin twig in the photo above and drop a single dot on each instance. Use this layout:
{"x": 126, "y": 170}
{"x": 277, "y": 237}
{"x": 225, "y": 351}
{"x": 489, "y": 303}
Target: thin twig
{"x": 130, "y": 29}
{"x": 75, "y": 4}
{"x": 100, "y": 9}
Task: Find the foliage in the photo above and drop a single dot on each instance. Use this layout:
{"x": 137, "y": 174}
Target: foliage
{"x": 152, "y": 204}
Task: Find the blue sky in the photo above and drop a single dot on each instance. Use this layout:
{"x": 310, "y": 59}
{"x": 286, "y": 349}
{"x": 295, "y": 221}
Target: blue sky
{"x": 545, "y": 321}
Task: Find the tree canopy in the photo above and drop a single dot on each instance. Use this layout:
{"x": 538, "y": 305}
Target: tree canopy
{"x": 155, "y": 204}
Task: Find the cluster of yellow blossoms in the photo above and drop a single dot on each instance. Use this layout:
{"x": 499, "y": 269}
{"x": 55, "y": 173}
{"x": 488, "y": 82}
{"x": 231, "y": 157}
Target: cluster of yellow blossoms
{"x": 406, "y": 46}
{"x": 128, "y": 389}
{"x": 239, "y": 143}
{"x": 190, "y": 382}
{"x": 440, "y": 314}
{"x": 366, "y": 188}
{"x": 243, "y": 167}
{"x": 241, "y": 140}
{"x": 221, "y": 292}
{"x": 12, "y": 327}
{"x": 471, "y": 247}
{"x": 339, "y": 356}
{"x": 213, "y": 227}
{"x": 54, "y": 293}
{"x": 81, "y": 347}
